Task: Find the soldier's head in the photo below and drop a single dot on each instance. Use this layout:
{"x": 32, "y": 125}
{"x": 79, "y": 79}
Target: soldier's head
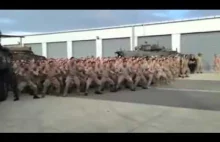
{"x": 50, "y": 63}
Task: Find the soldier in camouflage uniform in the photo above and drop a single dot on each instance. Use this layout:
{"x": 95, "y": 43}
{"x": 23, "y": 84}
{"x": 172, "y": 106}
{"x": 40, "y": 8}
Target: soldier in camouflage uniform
{"x": 199, "y": 68}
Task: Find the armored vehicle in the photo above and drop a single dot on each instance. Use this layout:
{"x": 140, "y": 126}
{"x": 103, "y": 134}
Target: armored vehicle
{"x": 20, "y": 52}
{"x": 147, "y": 50}
{"x": 24, "y": 53}
{"x": 7, "y": 77}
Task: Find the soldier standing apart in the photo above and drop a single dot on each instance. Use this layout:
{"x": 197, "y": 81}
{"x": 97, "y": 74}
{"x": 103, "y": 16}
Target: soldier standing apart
{"x": 192, "y": 64}
{"x": 199, "y": 63}
{"x": 216, "y": 63}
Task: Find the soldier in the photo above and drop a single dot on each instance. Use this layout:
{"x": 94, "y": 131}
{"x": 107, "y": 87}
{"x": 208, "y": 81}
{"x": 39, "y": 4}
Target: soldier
{"x": 216, "y": 63}
{"x": 181, "y": 66}
{"x": 86, "y": 73}
{"x": 139, "y": 75}
{"x": 72, "y": 76}
{"x": 26, "y": 75}
{"x": 105, "y": 77}
{"x": 199, "y": 67}
{"x": 52, "y": 71}
{"x": 186, "y": 67}
{"x": 192, "y": 63}
{"x": 124, "y": 70}
{"x": 148, "y": 71}
{"x": 92, "y": 72}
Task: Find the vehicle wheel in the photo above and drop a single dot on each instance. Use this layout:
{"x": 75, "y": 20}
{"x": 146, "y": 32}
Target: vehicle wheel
{"x": 3, "y": 92}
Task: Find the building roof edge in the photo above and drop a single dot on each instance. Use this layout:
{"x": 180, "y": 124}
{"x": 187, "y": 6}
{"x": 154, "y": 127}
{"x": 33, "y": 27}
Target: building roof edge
{"x": 129, "y": 25}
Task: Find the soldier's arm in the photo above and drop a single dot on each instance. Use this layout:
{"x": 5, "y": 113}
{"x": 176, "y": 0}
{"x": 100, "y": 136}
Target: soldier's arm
{"x": 111, "y": 71}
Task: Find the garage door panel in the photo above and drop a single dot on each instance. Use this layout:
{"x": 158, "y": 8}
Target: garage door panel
{"x": 85, "y": 48}
{"x": 206, "y": 43}
{"x": 57, "y": 50}
{"x": 36, "y": 48}
{"x": 164, "y": 40}
{"x": 110, "y": 46}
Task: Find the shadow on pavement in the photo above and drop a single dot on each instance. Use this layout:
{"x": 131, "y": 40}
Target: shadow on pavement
{"x": 171, "y": 98}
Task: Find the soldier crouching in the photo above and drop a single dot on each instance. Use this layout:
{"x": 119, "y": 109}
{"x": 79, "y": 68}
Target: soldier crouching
{"x": 101, "y": 73}
{"x": 26, "y": 74}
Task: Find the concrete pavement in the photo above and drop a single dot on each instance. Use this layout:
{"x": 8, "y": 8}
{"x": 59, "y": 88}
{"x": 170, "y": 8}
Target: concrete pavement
{"x": 153, "y": 110}
{"x": 183, "y": 106}
{"x": 172, "y": 97}
{"x": 54, "y": 114}
{"x": 211, "y": 76}
{"x": 195, "y": 85}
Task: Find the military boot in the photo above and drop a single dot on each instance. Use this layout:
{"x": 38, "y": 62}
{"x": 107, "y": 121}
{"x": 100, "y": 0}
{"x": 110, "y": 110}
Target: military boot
{"x": 113, "y": 88}
{"x": 133, "y": 88}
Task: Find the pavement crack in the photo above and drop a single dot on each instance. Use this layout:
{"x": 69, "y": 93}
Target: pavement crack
{"x": 122, "y": 115}
{"x": 147, "y": 121}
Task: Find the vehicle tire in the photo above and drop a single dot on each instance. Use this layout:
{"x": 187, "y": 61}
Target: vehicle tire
{"x": 3, "y": 91}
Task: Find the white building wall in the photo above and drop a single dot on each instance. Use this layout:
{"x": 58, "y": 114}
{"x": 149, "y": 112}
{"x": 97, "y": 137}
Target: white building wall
{"x": 98, "y": 47}
{"x": 69, "y": 49}
{"x": 44, "y": 49}
{"x": 176, "y": 42}
{"x": 174, "y": 28}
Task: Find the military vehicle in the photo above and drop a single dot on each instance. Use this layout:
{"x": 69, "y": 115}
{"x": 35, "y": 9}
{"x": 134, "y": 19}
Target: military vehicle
{"x": 24, "y": 53}
{"x": 20, "y": 52}
{"x": 146, "y": 50}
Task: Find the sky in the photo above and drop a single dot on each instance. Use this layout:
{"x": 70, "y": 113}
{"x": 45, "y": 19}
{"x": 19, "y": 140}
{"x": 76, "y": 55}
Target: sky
{"x": 22, "y": 22}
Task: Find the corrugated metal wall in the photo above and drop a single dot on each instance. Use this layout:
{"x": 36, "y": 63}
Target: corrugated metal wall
{"x": 36, "y": 48}
{"x": 84, "y": 48}
{"x": 163, "y": 40}
{"x": 206, "y": 43}
{"x": 110, "y": 46}
{"x": 57, "y": 50}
